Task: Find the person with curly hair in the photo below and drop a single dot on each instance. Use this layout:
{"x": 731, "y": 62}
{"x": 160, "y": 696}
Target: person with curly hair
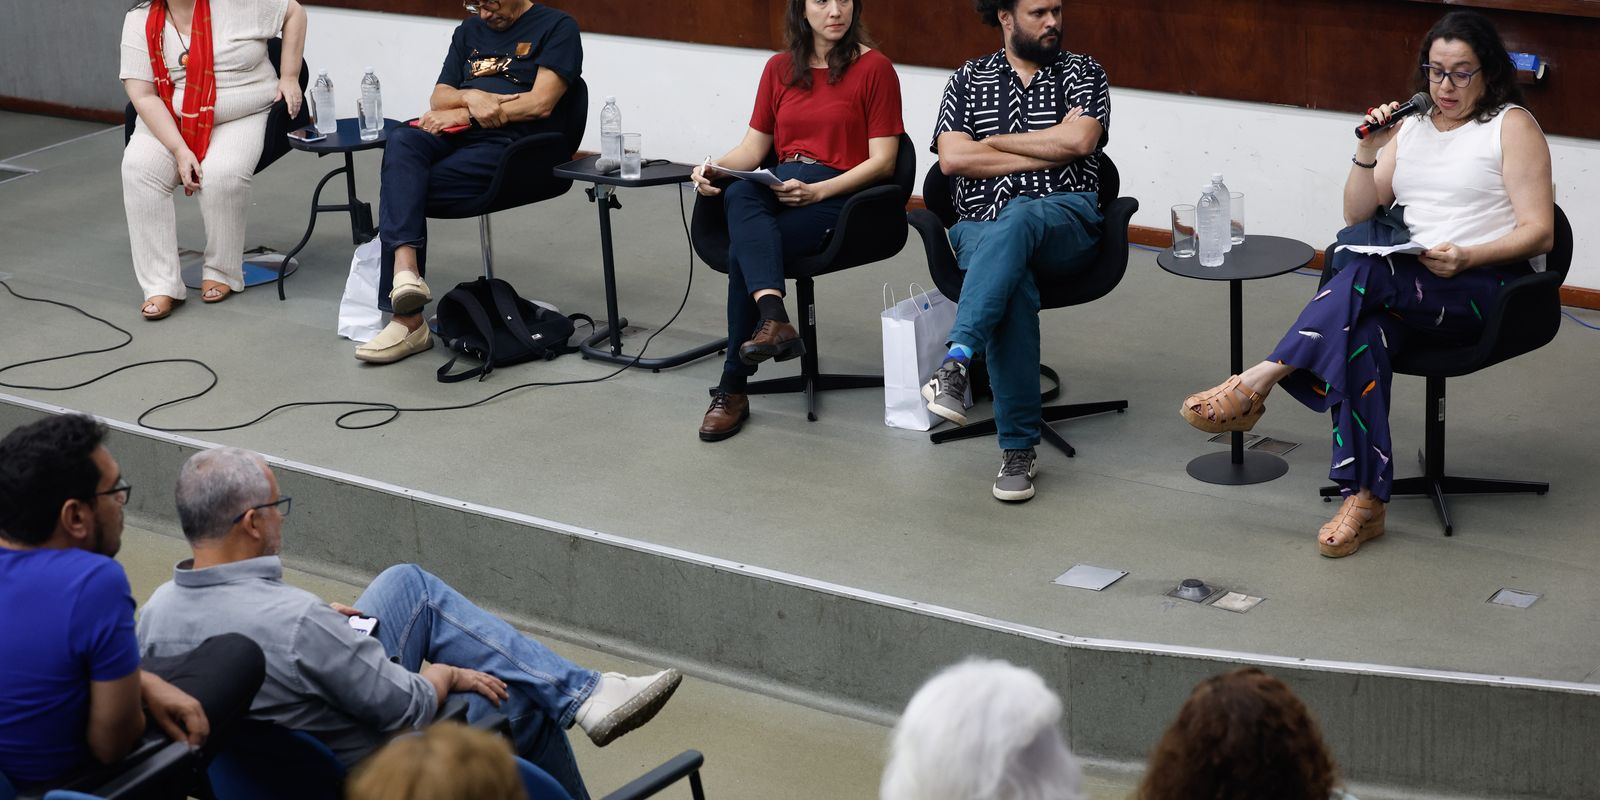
{"x": 1242, "y": 735}
{"x": 447, "y": 761}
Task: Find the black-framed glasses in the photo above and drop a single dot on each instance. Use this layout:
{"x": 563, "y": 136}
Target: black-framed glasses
{"x": 1457, "y": 79}
{"x": 121, "y": 491}
{"x": 283, "y": 504}
{"x": 474, "y": 6}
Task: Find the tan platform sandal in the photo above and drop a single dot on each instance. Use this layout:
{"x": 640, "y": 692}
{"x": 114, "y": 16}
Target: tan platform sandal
{"x": 1350, "y": 527}
{"x": 158, "y": 307}
{"x": 1220, "y": 410}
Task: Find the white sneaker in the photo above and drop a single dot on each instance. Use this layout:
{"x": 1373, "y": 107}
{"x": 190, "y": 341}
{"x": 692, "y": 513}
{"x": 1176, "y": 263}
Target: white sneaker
{"x": 395, "y": 342}
{"x": 619, "y": 703}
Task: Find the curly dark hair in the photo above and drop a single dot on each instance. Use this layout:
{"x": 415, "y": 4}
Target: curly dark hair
{"x": 1241, "y": 734}
{"x": 798, "y": 33}
{"x": 1498, "y": 74}
{"x": 990, "y": 10}
{"x": 43, "y": 465}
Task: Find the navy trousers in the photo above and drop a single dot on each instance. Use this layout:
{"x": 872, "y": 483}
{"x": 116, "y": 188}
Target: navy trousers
{"x": 1345, "y": 340}
{"x": 762, "y": 234}
{"x": 419, "y": 170}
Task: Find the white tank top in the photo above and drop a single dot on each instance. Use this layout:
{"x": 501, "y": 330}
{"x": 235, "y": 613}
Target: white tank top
{"x": 1452, "y": 183}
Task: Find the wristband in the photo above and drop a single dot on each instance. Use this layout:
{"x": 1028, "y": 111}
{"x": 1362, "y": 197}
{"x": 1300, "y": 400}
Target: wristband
{"x": 1363, "y": 164}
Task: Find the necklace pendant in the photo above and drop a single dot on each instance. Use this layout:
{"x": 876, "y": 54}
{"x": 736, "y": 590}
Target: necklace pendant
{"x": 183, "y": 59}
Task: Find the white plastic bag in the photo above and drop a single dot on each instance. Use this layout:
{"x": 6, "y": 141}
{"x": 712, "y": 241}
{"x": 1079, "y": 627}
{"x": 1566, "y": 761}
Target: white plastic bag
{"x": 359, "y": 317}
{"x": 914, "y": 335}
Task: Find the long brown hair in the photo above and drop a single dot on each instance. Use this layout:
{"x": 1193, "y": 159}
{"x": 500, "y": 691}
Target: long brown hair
{"x": 798, "y": 33}
{"x": 1242, "y": 735}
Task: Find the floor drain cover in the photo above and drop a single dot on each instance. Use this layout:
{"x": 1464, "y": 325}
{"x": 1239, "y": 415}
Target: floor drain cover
{"x": 1515, "y": 598}
{"x": 1083, "y": 576}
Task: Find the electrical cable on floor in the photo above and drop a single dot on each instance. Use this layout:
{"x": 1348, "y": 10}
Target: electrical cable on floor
{"x": 392, "y": 410}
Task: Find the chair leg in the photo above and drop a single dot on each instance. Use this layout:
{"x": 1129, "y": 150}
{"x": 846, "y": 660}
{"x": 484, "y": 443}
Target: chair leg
{"x": 1433, "y": 482}
{"x": 486, "y": 242}
{"x": 811, "y": 380}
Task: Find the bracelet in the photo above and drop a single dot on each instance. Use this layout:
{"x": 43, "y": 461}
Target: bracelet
{"x": 1363, "y": 164}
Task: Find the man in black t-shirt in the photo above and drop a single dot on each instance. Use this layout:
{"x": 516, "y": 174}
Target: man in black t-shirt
{"x": 507, "y": 69}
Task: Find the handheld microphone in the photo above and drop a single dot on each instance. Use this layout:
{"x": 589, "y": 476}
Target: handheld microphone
{"x": 1420, "y": 103}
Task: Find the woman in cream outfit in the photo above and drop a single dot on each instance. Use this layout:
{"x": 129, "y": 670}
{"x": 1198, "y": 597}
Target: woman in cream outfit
{"x": 160, "y": 158}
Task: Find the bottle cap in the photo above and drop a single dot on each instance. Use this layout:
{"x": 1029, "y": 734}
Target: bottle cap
{"x": 1216, "y": 177}
{"x": 322, "y": 72}
{"x": 610, "y": 99}
{"x": 1208, "y": 189}
{"x": 369, "y": 70}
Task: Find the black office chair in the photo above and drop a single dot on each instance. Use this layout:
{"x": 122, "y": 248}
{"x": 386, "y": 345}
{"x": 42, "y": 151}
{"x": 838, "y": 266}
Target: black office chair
{"x": 279, "y": 123}
{"x": 871, "y": 227}
{"x": 523, "y": 175}
{"x": 1082, "y": 287}
{"x": 156, "y": 768}
{"x": 1524, "y": 317}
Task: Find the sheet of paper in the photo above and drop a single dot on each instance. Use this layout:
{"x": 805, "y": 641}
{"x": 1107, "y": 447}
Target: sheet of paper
{"x": 1381, "y": 250}
{"x": 761, "y": 176}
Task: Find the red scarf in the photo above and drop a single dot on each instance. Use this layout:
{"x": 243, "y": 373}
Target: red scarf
{"x": 200, "y": 85}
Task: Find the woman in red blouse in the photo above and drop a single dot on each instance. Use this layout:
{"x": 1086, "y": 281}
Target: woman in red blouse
{"x": 829, "y": 107}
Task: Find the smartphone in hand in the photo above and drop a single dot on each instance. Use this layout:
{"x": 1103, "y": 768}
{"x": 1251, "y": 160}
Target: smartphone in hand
{"x": 366, "y": 625}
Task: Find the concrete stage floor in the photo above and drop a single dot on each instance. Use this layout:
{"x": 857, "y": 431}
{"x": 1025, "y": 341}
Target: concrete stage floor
{"x": 845, "y": 499}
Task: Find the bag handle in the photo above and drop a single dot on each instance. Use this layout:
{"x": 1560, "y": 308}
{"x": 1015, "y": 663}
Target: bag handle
{"x": 926, "y": 303}
{"x": 888, "y": 297}
{"x": 505, "y": 302}
{"x": 480, "y": 320}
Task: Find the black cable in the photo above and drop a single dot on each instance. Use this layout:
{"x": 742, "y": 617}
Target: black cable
{"x": 368, "y": 406}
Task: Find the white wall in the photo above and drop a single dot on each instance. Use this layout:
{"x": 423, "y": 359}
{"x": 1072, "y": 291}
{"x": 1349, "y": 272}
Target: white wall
{"x": 691, "y": 101}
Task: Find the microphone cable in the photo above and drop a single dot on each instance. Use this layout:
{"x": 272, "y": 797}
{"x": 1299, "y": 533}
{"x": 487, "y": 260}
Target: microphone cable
{"x": 391, "y": 411}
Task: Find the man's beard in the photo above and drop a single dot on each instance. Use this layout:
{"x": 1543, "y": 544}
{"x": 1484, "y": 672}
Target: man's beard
{"x": 1035, "y": 51}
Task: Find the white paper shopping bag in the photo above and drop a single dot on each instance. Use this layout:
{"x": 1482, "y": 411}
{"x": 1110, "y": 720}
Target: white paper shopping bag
{"x": 914, "y": 335}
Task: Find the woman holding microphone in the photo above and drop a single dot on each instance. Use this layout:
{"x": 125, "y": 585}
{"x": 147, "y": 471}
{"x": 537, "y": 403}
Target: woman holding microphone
{"x": 1470, "y": 181}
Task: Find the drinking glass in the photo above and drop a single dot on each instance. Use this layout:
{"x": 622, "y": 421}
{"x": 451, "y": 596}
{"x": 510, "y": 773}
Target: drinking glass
{"x": 1183, "y": 237}
{"x": 632, "y": 160}
{"x": 1236, "y": 217}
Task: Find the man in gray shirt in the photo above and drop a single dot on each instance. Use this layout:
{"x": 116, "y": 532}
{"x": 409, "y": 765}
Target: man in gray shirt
{"x": 353, "y": 691}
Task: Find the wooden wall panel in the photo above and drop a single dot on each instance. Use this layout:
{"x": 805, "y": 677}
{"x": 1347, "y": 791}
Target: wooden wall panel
{"x": 1342, "y": 55}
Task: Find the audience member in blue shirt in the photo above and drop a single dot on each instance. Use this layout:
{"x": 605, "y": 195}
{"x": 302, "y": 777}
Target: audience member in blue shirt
{"x": 71, "y": 687}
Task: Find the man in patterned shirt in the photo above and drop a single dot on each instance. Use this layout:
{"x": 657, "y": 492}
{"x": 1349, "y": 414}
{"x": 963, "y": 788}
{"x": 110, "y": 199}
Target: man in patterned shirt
{"x": 1019, "y": 133}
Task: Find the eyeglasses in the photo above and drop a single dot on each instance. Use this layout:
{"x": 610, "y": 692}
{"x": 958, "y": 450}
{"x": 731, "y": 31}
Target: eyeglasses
{"x": 284, "y": 505}
{"x": 1457, "y": 79}
{"x": 481, "y": 5}
{"x": 121, "y": 491}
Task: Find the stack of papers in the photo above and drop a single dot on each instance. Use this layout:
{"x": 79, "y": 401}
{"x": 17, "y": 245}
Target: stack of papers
{"x": 1412, "y": 248}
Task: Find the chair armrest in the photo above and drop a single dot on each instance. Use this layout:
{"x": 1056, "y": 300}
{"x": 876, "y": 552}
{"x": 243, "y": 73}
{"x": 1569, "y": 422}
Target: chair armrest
{"x": 708, "y": 229}
{"x": 685, "y": 764}
{"x": 1532, "y": 306}
{"x": 167, "y": 760}
{"x": 871, "y": 227}
{"x": 942, "y": 266}
{"x": 539, "y": 150}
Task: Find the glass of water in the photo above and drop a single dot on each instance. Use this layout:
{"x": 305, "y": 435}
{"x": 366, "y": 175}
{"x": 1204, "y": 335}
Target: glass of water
{"x": 1236, "y": 217}
{"x": 1183, "y": 238}
{"x": 632, "y": 156}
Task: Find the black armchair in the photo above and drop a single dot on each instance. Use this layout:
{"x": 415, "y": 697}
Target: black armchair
{"x": 279, "y": 123}
{"x": 523, "y": 175}
{"x": 1523, "y": 317}
{"x": 1083, "y": 287}
{"x": 871, "y": 227}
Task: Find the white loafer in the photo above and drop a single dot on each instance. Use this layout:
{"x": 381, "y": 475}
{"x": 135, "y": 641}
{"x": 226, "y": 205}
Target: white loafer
{"x": 393, "y": 343}
{"x": 410, "y": 293}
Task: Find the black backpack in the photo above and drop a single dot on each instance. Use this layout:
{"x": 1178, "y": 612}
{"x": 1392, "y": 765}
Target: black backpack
{"x": 486, "y": 319}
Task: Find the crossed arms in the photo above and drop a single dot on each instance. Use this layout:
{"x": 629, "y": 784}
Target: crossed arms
{"x": 449, "y": 106}
{"x": 1003, "y": 154}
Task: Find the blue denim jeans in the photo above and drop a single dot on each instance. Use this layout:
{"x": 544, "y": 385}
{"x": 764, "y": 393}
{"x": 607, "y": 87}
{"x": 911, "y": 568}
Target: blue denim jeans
{"x": 762, "y": 235}
{"x": 422, "y": 618}
{"x": 1056, "y": 235}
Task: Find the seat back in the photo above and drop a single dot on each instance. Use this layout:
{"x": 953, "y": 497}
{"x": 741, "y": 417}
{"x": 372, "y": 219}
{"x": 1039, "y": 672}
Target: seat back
{"x": 523, "y": 175}
{"x": 264, "y": 760}
{"x": 276, "y": 141}
{"x": 538, "y": 784}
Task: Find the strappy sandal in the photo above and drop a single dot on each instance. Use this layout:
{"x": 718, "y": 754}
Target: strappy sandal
{"x": 163, "y": 307}
{"x": 1345, "y": 533}
{"x": 223, "y": 290}
{"x": 1220, "y": 410}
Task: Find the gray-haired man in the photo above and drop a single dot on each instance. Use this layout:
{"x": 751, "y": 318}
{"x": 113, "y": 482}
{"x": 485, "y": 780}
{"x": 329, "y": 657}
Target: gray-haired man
{"x": 327, "y": 679}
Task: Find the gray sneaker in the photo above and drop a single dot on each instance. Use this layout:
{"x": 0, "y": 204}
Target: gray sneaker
{"x": 1015, "y": 481}
{"x": 946, "y": 391}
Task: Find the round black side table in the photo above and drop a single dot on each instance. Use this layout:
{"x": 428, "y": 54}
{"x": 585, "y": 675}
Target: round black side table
{"x": 346, "y": 140}
{"x": 1258, "y": 257}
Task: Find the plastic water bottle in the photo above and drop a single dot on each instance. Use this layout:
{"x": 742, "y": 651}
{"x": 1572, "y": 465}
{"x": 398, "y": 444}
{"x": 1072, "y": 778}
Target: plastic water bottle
{"x": 322, "y": 114}
{"x": 611, "y": 132}
{"x": 371, "y": 107}
{"x": 1211, "y": 220}
{"x": 1226, "y": 198}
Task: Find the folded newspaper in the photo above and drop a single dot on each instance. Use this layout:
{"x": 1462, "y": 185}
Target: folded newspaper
{"x": 1411, "y": 248}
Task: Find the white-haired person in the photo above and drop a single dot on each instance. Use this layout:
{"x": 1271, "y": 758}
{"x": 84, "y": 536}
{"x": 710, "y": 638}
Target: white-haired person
{"x": 982, "y": 730}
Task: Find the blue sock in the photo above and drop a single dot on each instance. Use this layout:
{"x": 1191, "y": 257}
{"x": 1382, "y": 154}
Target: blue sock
{"x": 959, "y": 352}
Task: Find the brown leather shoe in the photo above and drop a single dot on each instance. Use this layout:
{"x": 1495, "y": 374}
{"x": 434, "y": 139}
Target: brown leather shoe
{"x": 776, "y": 340}
{"x": 725, "y": 417}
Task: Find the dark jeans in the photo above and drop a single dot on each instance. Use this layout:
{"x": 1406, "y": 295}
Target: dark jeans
{"x": 223, "y": 673}
{"x": 761, "y": 234}
{"x": 419, "y": 170}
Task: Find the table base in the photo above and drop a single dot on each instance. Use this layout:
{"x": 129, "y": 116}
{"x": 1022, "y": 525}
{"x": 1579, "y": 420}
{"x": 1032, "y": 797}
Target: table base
{"x": 1220, "y": 469}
